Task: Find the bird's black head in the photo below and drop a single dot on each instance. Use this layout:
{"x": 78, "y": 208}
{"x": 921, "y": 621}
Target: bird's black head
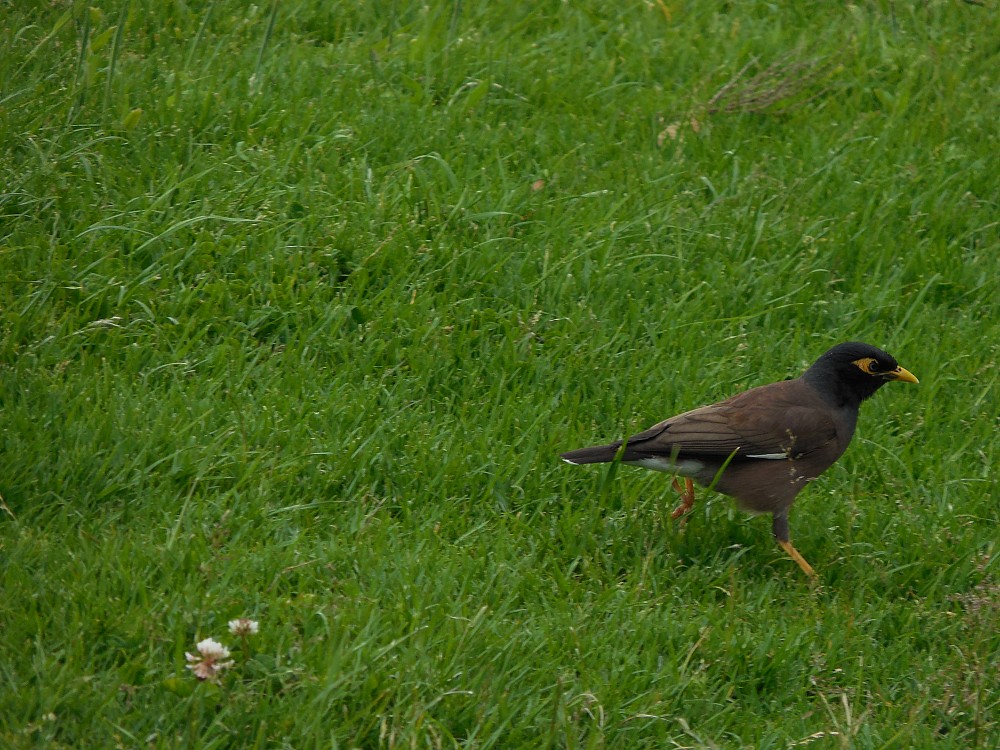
{"x": 849, "y": 373}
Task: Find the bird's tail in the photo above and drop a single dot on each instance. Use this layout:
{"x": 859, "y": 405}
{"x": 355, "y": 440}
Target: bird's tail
{"x": 598, "y": 454}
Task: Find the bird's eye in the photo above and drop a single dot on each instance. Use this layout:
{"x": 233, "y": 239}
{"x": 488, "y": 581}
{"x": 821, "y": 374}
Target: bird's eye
{"x": 873, "y": 367}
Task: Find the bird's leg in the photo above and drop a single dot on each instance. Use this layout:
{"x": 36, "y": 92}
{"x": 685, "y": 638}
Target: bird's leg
{"x": 794, "y": 554}
{"x": 687, "y": 497}
{"x": 780, "y": 529}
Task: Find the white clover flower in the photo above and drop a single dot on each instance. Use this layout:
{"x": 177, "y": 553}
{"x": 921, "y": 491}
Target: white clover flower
{"x": 243, "y": 627}
{"x": 212, "y": 649}
{"x": 208, "y": 665}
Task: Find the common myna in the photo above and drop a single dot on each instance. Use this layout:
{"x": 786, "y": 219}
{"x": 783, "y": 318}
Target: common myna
{"x": 763, "y": 446}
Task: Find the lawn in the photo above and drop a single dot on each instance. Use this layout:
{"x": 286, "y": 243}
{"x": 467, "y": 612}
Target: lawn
{"x": 300, "y": 301}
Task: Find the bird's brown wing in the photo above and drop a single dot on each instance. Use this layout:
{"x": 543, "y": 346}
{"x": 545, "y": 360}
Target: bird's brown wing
{"x": 785, "y": 419}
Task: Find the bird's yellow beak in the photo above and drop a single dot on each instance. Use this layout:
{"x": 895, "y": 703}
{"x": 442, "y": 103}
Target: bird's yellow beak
{"x": 902, "y": 374}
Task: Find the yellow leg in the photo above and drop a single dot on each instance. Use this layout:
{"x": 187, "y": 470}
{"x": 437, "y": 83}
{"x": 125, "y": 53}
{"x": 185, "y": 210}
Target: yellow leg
{"x": 794, "y": 554}
{"x": 687, "y": 497}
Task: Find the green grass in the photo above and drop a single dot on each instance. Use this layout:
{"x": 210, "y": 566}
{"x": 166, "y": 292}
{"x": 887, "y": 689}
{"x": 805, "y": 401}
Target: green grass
{"x": 300, "y": 301}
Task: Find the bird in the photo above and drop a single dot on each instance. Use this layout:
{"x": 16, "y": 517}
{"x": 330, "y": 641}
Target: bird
{"x": 763, "y": 446}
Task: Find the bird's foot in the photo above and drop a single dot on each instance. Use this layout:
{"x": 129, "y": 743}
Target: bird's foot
{"x": 687, "y": 499}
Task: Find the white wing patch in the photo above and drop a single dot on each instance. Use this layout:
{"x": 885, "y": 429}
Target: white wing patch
{"x": 770, "y": 456}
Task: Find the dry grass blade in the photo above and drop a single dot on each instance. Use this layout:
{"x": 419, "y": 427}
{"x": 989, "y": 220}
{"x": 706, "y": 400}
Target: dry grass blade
{"x": 782, "y": 81}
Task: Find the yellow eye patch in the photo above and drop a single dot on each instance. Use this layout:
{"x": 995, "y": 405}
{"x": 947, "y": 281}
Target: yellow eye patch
{"x": 867, "y": 365}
